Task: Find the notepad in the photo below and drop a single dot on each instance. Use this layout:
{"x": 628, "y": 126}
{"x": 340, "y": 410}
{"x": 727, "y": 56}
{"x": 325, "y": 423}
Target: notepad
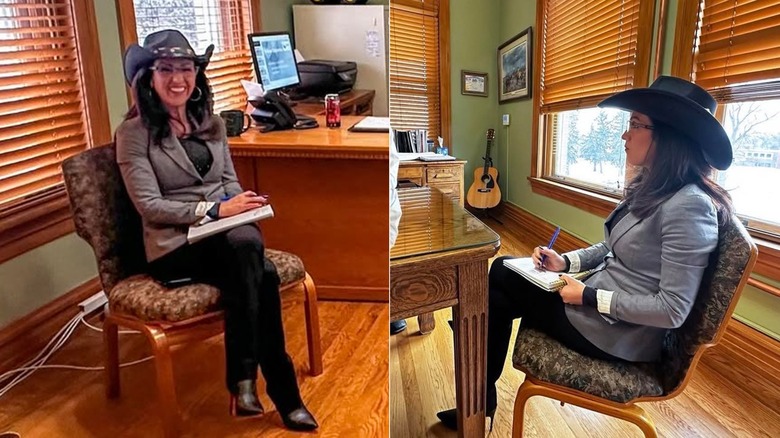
{"x": 547, "y": 280}
{"x": 198, "y": 232}
{"x": 372, "y": 124}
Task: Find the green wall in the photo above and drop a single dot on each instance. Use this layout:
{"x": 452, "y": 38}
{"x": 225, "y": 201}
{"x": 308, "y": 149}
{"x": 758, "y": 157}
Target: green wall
{"x": 39, "y": 276}
{"x": 478, "y": 28}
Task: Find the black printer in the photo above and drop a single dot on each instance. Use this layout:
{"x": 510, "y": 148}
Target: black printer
{"x": 320, "y": 77}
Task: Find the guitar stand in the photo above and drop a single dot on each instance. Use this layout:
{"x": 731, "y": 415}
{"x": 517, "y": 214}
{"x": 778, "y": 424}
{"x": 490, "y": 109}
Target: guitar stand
{"x": 486, "y": 214}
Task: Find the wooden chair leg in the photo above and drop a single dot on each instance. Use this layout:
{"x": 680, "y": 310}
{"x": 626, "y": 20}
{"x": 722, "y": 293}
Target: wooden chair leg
{"x": 632, "y": 413}
{"x": 166, "y": 389}
{"x": 111, "y": 343}
{"x": 312, "y": 326}
{"x": 523, "y": 394}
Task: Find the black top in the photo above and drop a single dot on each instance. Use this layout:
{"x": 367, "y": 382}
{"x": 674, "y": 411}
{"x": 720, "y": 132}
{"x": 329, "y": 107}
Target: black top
{"x": 198, "y": 153}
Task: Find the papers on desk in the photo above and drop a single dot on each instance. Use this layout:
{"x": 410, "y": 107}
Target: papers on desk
{"x": 198, "y": 232}
{"x": 253, "y": 89}
{"x": 424, "y": 156}
{"x": 372, "y": 124}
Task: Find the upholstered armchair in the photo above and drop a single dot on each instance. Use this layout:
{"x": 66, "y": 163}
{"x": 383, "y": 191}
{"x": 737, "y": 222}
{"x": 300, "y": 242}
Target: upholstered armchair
{"x": 613, "y": 388}
{"x": 107, "y": 220}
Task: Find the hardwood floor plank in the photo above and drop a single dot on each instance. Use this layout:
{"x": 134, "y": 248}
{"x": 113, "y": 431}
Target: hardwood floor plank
{"x": 349, "y": 399}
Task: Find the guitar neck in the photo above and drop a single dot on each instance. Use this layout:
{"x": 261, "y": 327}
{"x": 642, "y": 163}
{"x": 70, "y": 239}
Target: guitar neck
{"x": 487, "y": 156}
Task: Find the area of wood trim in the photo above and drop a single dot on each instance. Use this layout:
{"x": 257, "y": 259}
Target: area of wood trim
{"x": 125, "y": 19}
{"x": 744, "y": 351}
{"x": 21, "y": 339}
{"x": 91, "y": 65}
{"x": 32, "y": 224}
{"x": 583, "y": 199}
{"x": 760, "y": 285}
{"x": 682, "y": 54}
{"x": 445, "y": 82}
{"x": 659, "y": 37}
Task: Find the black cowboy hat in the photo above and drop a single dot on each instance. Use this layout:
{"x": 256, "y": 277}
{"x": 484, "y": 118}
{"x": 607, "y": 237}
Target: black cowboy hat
{"x": 684, "y": 106}
{"x": 167, "y": 43}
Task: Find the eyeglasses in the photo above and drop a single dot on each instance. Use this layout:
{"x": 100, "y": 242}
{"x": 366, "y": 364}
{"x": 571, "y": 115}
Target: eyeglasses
{"x": 169, "y": 70}
{"x": 632, "y": 125}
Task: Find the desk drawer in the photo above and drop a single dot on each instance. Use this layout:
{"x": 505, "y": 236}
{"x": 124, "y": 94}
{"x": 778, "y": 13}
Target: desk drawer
{"x": 411, "y": 173}
{"x": 443, "y": 173}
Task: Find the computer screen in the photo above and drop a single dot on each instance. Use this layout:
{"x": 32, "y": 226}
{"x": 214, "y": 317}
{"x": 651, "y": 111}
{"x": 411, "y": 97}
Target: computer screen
{"x": 274, "y": 60}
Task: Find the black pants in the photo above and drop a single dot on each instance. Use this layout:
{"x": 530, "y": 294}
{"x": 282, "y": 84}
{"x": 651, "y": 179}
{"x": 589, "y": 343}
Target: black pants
{"x": 511, "y": 296}
{"x": 234, "y": 262}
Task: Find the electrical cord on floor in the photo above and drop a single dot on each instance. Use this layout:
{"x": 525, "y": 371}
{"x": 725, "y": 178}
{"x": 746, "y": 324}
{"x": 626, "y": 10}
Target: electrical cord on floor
{"x": 56, "y": 342}
{"x": 98, "y": 329}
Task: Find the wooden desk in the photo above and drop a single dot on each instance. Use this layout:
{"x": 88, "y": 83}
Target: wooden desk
{"x": 440, "y": 260}
{"x": 447, "y": 176}
{"x": 354, "y": 102}
{"x": 329, "y": 191}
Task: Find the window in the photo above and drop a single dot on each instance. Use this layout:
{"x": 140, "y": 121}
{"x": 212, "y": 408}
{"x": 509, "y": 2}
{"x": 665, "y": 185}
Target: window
{"x": 419, "y": 74}
{"x": 224, "y": 23}
{"x": 731, "y": 49}
{"x": 588, "y": 51}
{"x": 46, "y": 114}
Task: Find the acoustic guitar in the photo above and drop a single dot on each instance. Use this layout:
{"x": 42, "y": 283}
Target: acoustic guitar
{"x": 484, "y": 192}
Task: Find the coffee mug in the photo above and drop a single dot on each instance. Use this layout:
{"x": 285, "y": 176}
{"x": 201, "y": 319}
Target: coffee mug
{"x": 236, "y": 122}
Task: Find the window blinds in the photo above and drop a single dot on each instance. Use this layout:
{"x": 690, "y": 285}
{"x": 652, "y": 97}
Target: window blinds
{"x": 415, "y": 101}
{"x": 588, "y": 52}
{"x": 42, "y": 120}
{"x": 738, "y": 43}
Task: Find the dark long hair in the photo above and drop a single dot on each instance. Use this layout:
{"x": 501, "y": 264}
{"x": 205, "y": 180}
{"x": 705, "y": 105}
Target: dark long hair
{"x": 678, "y": 161}
{"x": 153, "y": 113}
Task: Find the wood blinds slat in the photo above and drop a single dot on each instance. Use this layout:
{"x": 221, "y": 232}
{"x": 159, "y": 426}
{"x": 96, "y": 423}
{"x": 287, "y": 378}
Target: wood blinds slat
{"x": 42, "y": 118}
{"x": 588, "y": 51}
{"x": 414, "y": 66}
{"x": 224, "y": 23}
{"x": 738, "y": 43}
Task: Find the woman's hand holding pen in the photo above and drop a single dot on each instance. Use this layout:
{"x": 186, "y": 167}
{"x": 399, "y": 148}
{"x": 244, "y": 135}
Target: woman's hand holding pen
{"x": 572, "y": 292}
{"x": 552, "y": 260}
{"x": 242, "y": 202}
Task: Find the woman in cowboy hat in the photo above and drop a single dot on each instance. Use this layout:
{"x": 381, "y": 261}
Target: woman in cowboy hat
{"x": 173, "y": 154}
{"x": 657, "y": 246}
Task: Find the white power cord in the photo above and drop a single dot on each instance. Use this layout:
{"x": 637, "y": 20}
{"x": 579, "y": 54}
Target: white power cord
{"x": 56, "y": 342}
{"x": 98, "y": 329}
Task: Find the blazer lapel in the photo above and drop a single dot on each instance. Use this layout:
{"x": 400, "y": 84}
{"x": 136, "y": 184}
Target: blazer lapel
{"x": 174, "y": 149}
{"x": 622, "y": 227}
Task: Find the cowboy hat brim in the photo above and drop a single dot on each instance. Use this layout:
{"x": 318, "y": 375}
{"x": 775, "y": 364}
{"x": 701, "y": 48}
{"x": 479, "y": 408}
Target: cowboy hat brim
{"x": 682, "y": 114}
{"x": 137, "y": 58}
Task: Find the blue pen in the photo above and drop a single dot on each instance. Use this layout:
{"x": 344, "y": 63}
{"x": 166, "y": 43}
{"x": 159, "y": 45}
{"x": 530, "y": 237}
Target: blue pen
{"x": 552, "y": 242}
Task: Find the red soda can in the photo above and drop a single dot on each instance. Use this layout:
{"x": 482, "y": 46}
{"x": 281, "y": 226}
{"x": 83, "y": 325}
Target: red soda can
{"x": 332, "y": 111}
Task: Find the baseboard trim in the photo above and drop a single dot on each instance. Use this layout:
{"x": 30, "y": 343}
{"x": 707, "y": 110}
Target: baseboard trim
{"x": 743, "y": 351}
{"x": 25, "y": 337}
{"x": 353, "y": 293}
{"x": 749, "y": 360}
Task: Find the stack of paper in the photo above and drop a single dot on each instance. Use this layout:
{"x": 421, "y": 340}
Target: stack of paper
{"x": 547, "y": 280}
{"x": 198, "y": 232}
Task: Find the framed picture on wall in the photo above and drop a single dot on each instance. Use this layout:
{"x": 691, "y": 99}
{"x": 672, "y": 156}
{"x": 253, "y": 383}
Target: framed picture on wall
{"x": 514, "y": 67}
{"x": 473, "y": 83}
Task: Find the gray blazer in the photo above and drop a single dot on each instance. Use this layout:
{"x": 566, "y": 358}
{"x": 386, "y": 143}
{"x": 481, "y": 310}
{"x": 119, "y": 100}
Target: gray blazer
{"x": 165, "y": 187}
{"x": 653, "y": 267}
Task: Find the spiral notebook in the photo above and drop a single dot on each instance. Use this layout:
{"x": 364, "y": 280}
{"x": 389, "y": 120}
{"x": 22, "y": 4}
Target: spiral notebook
{"x": 547, "y": 280}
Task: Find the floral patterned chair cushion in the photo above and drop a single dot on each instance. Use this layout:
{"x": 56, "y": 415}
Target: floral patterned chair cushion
{"x": 144, "y": 298}
{"x": 547, "y": 359}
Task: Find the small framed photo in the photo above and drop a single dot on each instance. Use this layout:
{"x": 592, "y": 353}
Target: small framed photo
{"x": 473, "y": 83}
{"x": 514, "y": 67}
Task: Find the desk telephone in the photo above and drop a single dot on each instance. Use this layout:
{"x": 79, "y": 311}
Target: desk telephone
{"x": 273, "y": 113}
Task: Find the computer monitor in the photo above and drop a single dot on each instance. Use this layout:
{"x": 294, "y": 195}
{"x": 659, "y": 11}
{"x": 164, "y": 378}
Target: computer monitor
{"x": 274, "y": 60}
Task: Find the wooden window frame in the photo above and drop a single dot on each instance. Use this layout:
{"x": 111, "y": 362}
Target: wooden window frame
{"x": 128, "y": 33}
{"x": 45, "y": 217}
{"x": 768, "y": 263}
{"x": 590, "y": 200}
{"x": 445, "y": 80}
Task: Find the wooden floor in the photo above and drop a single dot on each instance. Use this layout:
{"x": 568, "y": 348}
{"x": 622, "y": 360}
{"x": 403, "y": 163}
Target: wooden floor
{"x": 350, "y": 399}
{"x": 422, "y": 382}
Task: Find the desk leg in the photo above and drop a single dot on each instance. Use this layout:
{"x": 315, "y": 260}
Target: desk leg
{"x": 427, "y": 322}
{"x": 470, "y": 317}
